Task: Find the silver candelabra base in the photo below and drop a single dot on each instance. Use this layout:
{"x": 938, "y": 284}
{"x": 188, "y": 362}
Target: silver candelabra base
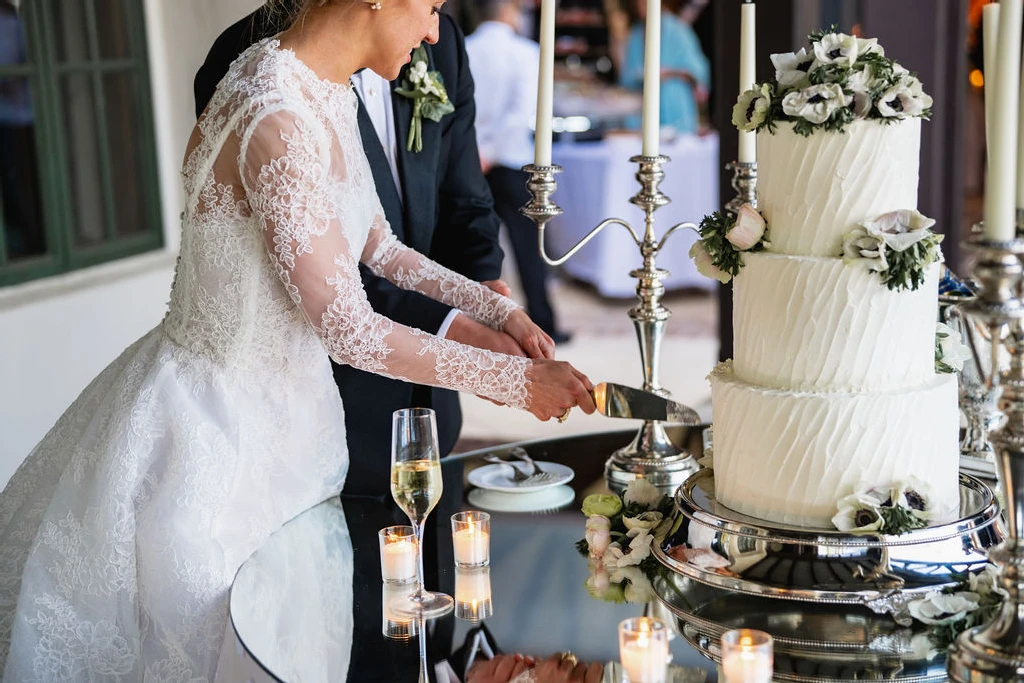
{"x": 651, "y": 455}
{"x": 995, "y": 651}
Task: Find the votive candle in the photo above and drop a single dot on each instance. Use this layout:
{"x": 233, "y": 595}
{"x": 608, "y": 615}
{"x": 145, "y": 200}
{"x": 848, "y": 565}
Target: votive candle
{"x": 473, "y": 593}
{"x": 651, "y": 124}
{"x": 746, "y": 656}
{"x": 1001, "y": 184}
{"x": 397, "y": 554}
{"x": 471, "y": 538}
{"x": 643, "y": 650}
{"x": 747, "y": 144}
{"x": 396, "y": 626}
{"x": 545, "y": 85}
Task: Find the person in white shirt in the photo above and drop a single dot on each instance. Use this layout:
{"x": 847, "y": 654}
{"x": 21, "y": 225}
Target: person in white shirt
{"x": 504, "y": 67}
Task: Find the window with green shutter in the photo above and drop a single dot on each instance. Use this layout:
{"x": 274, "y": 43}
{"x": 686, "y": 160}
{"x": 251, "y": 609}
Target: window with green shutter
{"x": 78, "y": 179}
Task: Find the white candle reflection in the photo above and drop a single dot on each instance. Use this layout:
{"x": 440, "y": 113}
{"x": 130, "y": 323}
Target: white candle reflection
{"x": 473, "y": 593}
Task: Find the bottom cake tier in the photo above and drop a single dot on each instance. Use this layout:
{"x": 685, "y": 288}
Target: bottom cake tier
{"x": 789, "y": 456}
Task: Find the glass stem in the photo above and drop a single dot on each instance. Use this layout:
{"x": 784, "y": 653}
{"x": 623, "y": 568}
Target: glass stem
{"x": 421, "y": 593}
{"x": 424, "y": 675}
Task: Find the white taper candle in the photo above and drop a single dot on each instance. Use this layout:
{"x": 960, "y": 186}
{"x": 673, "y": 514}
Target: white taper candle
{"x": 545, "y": 85}
{"x": 990, "y": 31}
{"x": 652, "y": 80}
{"x": 1000, "y": 193}
{"x": 748, "y": 144}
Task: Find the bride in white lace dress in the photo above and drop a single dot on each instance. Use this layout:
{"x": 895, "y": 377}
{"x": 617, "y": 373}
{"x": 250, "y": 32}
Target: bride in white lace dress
{"x": 121, "y": 532}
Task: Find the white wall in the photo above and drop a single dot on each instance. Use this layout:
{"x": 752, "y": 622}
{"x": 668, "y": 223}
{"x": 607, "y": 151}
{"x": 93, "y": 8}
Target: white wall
{"x": 57, "y": 334}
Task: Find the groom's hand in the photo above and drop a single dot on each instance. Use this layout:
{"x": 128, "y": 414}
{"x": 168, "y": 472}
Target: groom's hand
{"x": 465, "y": 330}
{"x": 498, "y": 286}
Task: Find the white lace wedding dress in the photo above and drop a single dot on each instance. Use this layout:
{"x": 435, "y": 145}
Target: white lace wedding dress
{"x": 121, "y": 532}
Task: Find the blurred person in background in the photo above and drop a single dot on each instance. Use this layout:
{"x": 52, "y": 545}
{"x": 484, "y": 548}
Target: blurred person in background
{"x": 504, "y": 66}
{"x": 685, "y": 71}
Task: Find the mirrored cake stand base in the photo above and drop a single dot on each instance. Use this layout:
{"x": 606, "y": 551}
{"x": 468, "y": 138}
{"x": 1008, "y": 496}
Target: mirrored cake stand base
{"x": 717, "y": 546}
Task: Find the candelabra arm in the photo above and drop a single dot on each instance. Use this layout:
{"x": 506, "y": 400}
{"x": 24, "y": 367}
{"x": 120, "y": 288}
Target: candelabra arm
{"x": 579, "y": 245}
{"x": 677, "y": 226}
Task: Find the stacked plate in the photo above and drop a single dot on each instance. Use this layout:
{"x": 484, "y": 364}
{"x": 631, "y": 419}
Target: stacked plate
{"x": 497, "y": 490}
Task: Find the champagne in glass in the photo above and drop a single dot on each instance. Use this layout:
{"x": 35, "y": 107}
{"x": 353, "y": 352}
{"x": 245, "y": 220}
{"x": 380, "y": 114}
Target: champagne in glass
{"x": 416, "y": 487}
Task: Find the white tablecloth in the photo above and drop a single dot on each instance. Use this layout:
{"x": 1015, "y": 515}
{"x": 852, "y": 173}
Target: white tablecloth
{"x": 596, "y": 184}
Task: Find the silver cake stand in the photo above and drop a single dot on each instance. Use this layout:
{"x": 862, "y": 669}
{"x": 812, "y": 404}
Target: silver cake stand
{"x": 719, "y": 547}
{"x": 812, "y": 643}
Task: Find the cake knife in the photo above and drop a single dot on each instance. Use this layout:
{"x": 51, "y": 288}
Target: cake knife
{"x": 617, "y": 400}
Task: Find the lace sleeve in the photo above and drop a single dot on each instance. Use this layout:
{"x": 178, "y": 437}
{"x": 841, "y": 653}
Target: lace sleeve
{"x": 407, "y": 268}
{"x": 297, "y": 180}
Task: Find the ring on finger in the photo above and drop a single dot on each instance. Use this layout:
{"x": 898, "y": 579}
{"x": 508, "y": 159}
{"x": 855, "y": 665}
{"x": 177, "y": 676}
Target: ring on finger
{"x": 569, "y": 657}
{"x": 562, "y": 418}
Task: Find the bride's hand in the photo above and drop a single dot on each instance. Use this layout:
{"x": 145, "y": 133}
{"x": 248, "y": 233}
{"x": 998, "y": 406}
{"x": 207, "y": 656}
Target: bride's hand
{"x": 558, "y": 669}
{"x": 530, "y": 337}
{"x": 555, "y": 387}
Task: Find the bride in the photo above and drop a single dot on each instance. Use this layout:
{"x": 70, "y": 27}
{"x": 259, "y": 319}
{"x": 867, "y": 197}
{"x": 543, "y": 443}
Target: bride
{"x": 121, "y": 532}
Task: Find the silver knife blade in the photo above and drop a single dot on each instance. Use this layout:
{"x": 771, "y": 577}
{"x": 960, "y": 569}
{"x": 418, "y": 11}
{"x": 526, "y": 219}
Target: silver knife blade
{"x": 617, "y": 400}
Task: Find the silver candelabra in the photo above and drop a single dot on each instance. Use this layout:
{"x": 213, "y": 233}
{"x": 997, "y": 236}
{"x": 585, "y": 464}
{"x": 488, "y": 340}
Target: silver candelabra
{"x": 995, "y": 651}
{"x": 651, "y": 455}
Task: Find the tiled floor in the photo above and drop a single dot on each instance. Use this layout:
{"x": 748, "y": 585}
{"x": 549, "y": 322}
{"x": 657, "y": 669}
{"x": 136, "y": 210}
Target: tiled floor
{"x": 604, "y": 346}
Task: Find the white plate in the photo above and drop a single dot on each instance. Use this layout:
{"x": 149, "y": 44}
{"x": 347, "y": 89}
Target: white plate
{"x": 497, "y": 478}
{"x": 496, "y": 501}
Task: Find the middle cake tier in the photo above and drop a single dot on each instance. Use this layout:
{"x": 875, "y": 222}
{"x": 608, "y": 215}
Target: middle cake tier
{"x": 815, "y": 324}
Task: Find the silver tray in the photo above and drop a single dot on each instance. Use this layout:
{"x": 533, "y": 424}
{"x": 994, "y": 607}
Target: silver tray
{"x": 812, "y": 643}
{"x": 825, "y": 565}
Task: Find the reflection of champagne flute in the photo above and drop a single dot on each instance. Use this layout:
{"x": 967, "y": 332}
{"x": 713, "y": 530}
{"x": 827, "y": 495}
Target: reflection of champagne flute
{"x": 416, "y": 487}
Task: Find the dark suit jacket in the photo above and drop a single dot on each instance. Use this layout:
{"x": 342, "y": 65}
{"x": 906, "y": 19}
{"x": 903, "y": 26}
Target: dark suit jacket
{"x": 447, "y": 214}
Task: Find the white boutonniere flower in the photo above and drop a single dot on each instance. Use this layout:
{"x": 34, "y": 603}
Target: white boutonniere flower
{"x": 429, "y": 98}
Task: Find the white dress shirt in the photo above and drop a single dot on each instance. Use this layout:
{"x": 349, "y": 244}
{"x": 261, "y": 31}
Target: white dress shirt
{"x": 375, "y": 92}
{"x": 504, "y": 67}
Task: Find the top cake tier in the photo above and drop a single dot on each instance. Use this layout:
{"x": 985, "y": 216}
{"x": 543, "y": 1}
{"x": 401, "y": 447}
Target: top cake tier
{"x": 813, "y": 190}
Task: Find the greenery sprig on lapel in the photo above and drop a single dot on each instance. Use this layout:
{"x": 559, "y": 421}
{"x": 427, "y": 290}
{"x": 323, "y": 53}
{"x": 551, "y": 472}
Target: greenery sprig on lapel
{"x": 429, "y": 98}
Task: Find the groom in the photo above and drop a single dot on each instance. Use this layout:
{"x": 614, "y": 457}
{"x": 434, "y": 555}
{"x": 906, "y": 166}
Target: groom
{"x": 436, "y": 200}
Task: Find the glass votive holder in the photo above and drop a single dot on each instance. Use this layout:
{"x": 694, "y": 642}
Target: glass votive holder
{"x": 473, "y": 593}
{"x": 396, "y": 626}
{"x": 746, "y": 656}
{"x": 397, "y": 554}
{"x": 643, "y": 650}
{"x": 471, "y": 538}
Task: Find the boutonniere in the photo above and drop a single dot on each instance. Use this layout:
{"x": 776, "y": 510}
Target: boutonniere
{"x": 429, "y": 98}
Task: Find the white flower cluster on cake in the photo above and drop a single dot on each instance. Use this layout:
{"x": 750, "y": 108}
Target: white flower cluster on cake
{"x": 723, "y": 239}
{"x": 897, "y": 245}
{"x": 950, "y": 351}
{"x": 840, "y": 80}
{"x": 893, "y": 510}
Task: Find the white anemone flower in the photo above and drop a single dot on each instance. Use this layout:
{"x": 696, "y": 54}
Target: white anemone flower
{"x": 816, "y": 103}
{"x": 952, "y": 351}
{"x": 702, "y": 260}
{"x": 836, "y": 48}
{"x": 751, "y": 109}
{"x": 939, "y": 608}
{"x": 642, "y": 492}
{"x": 865, "y": 250}
{"x": 791, "y": 69}
{"x": 904, "y": 100}
{"x": 900, "y": 229}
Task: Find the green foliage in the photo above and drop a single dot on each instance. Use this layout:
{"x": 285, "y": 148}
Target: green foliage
{"x": 723, "y": 254}
{"x": 907, "y": 268}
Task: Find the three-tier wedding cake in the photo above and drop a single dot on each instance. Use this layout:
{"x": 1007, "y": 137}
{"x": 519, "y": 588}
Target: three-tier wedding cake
{"x": 832, "y": 405}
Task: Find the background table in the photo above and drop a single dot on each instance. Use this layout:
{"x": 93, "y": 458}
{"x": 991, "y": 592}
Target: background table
{"x": 596, "y": 184}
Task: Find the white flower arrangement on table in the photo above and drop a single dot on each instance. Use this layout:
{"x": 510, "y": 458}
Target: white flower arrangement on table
{"x": 842, "y": 79}
{"x": 718, "y": 254}
{"x": 897, "y": 245}
{"x": 617, "y": 543}
{"x": 950, "y": 351}
{"x": 892, "y": 510}
{"x": 949, "y": 612}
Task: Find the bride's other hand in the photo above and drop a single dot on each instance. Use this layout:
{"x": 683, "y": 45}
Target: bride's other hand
{"x": 531, "y": 338}
{"x": 555, "y": 387}
{"x": 465, "y": 330}
{"x": 499, "y": 286}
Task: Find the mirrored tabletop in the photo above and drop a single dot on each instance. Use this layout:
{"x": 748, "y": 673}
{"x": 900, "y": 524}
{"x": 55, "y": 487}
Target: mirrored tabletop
{"x": 310, "y": 605}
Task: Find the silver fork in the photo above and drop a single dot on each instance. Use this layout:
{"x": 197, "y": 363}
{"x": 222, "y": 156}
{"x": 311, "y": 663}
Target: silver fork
{"x": 538, "y": 476}
{"x": 518, "y": 476}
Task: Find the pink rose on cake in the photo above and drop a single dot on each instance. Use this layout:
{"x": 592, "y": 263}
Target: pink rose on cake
{"x": 723, "y": 240}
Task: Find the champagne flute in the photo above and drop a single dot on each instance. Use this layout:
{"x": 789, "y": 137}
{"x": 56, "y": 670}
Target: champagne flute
{"x": 416, "y": 487}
